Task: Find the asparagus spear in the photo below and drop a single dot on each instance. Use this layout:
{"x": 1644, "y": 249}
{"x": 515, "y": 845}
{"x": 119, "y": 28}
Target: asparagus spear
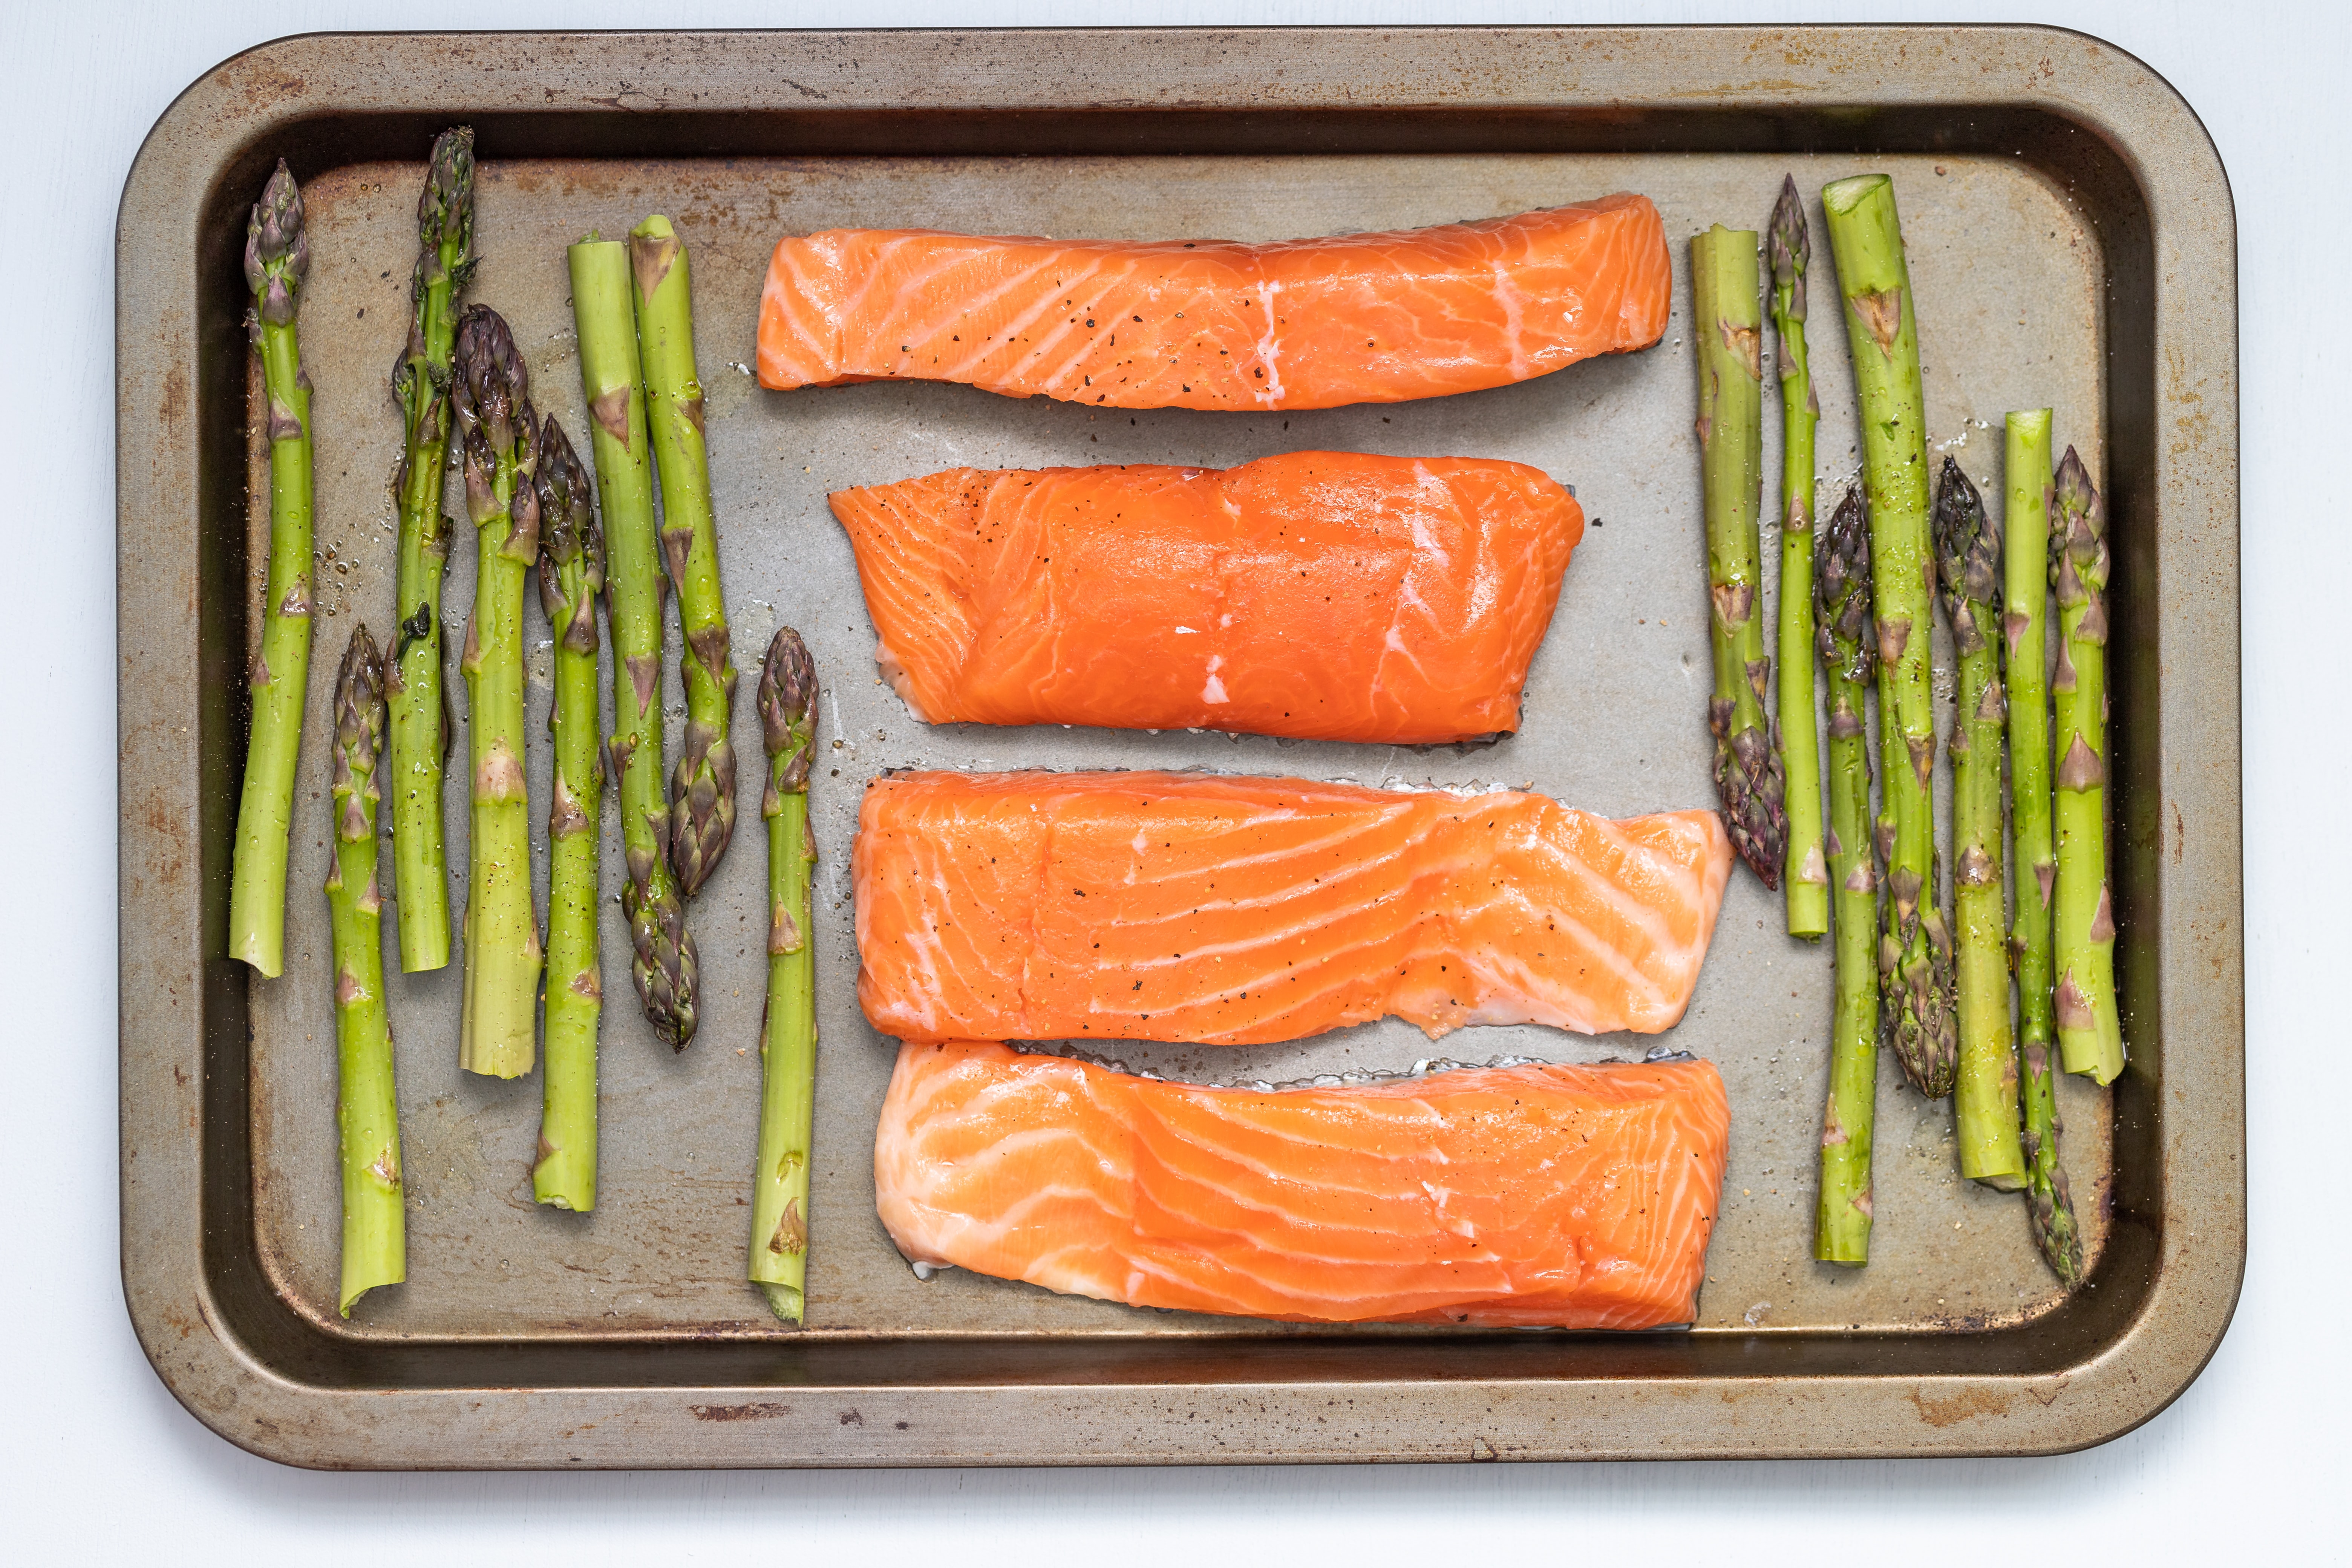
{"x": 2090, "y": 1034}
{"x": 663, "y": 962}
{"x": 498, "y": 1033}
{"x": 1728, "y": 323}
{"x": 376, "y": 1246}
{"x": 1915, "y": 953}
{"x": 1841, "y": 594}
{"x": 702, "y": 792}
{"x": 413, "y": 678}
{"x": 787, "y": 700}
{"x": 1808, "y": 876}
{"x": 1968, "y": 564}
{"x": 277, "y": 259}
{"x": 571, "y": 577}
{"x": 2026, "y": 591}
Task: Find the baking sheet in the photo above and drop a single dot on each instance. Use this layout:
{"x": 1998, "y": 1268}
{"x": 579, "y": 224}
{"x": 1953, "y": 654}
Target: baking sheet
{"x": 1613, "y": 722}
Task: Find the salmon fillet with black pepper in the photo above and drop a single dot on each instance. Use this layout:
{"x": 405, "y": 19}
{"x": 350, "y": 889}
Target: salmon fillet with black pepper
{"x": 1554, "y": 1196}
{"x": 1301, "y": 323}
{"x": 1045, "y": 906}
{"x": 1328, "y": 596}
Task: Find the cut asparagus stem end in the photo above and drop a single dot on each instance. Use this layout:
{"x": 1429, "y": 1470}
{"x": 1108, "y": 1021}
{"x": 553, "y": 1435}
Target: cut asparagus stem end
{"x": 1843, "y": 196}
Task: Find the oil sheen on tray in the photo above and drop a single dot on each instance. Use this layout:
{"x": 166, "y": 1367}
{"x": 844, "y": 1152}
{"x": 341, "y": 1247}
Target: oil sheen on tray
{"x": 1553, "y": 1197}
{"x": 1327, "y": 596}
{"x": 1302, "y": 323}
{"x": 1043, "y": 906}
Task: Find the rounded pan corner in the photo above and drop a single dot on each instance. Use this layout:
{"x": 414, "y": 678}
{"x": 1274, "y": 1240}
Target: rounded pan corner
{"x": 212, "y": 130}
{"x": 2179, "y": 100}
{"x": 184, "y": 1345}
{"x": 2144, "y": 1402}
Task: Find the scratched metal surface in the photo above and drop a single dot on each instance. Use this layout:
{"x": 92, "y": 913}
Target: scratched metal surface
{"x": 1613, "y": 722}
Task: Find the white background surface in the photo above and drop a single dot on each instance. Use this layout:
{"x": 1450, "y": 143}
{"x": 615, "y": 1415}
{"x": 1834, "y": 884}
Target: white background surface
{"x": 97, "y": 1464}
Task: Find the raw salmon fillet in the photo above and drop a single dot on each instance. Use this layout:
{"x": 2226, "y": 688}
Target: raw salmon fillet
{"x": 1303, "y": 323}
{"x": 1570, "y": 1197}
{"x": 1042, "y": 906}
{"x": 1323, "y": 594}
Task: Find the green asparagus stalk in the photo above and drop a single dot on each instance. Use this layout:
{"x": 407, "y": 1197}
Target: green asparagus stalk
{"x": 2090, "y": 1033}
{"x": 498, "y": 1031}
{"x": 2026, "y": 591}
{"x": 412, "y": 677}
{"x": 1807, "y": 874}
{"x": 788, "y": 1045}
{"x": 376, "y": 1246}
{"x": 1748, "y": 777}
{"x": 571, "y": 577}
{"x": 663, "y": 962}
{"x": 702, "y": 793}
{"x": 1967, "y": 566}
{"x": 1841, "y": 598}
{"x": 277, "y": 261}
{"x": 1915, "y": 955}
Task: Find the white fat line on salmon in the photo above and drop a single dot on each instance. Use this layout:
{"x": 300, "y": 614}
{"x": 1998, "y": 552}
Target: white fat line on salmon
{"x": 880, "y": 273}
{"x": 820, "y": 338}
{"x": 1514, "y": 331}
{"x": 974, "y": 311}
{"x": 1054, "y": 377}
{"x": 1269, "y": 348}
{"x": 970, "y": 309}
{"x": 1014, "y": 328}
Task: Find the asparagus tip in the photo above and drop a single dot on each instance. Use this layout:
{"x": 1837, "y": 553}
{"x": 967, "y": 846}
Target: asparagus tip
{"x": 359, "y": 701}
{"x": 566, "y": 505}
{"x": 1841, "y": 589}
{"x": 567, "y": 533}
{"x": 2072, "y": 489}
{"x": 277, "y": 246}
{"x": 787, "y": 690}
{"x": 491, "y": 389}
{"x": 1968, "y": 558}
{"x": 445, "y": 209}
{"x": 1791, "y": 247}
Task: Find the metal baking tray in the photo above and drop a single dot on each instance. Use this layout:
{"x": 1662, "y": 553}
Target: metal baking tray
{"x": 2073, "y": 243}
